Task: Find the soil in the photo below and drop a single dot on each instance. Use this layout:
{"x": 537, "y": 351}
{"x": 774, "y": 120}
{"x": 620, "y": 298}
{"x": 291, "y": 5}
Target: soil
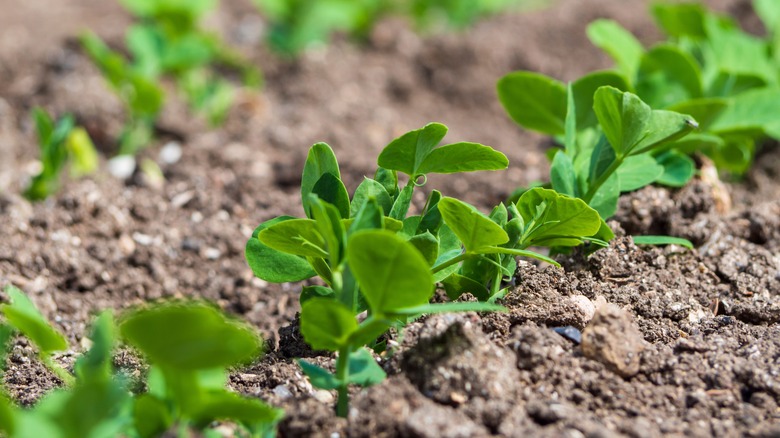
{"x": 631, "y": 341}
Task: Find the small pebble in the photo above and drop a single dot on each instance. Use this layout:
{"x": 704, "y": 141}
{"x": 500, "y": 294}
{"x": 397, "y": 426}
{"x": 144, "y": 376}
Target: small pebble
{"x": 122, "y": 166}
{"x": 570, "y": 333}
{"x": 171, "y": 152}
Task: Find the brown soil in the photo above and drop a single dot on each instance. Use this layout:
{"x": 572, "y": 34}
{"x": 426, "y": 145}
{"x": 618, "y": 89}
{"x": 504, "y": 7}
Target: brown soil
{"x": 674, "y": 342}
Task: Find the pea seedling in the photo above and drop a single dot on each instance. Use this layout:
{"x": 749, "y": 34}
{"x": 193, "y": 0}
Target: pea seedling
{"x": 708, "y": 68}
{"x": 60, "y": 143}
{"x": 168, "y": 41}
{"x": 189, "y": 346}
{"x": 373, "y": 256}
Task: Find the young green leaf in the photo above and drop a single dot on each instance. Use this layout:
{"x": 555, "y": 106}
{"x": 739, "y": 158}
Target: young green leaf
{"x": 320, "y": 161}
{"x": 463, "y": 157}
{"x": 273, "y": 265}
{"x": 638, "y": 171}
{"x": 619, "y": 43}
{"x": 295, "y": 236}
{"x": 473, "y": 228}
{"x": 363, "y": 369}
{"x": 632, "y": 127}
{"x": 678, "y": 169}
{"x": 197, "y": 336}
{"x": 391, "y": 272}
{"x": 534, "y": 101}
{"x": 407, "y": 153}
{"x": 22, "y": 314}
{"x": 662, "y": 240}
{"x": 553, "y": 219}
{"x": 368, "y": 189}
{"x": 327, "y": 324}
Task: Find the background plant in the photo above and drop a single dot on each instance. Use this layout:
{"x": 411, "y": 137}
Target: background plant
{"x": 169, "y": 41}
{"x": 189, "y": 346}
{"x": 298, "y": 24}
{"x": 612, "y": 141}
{"x": 708, "y": 68}
{"x": 60, "y": 143}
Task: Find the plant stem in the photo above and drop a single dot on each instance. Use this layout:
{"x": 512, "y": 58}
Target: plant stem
{"x": 342, "y": 374}
{"x": 594, "y": 188}
{"x": 451, "y": 262}
{"x": 61, "y": 373}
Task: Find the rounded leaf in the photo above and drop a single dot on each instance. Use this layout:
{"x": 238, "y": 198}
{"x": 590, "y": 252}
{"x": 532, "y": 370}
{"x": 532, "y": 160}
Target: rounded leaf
{"x": 189, "y": 336}
{"x": 391, "y": 272}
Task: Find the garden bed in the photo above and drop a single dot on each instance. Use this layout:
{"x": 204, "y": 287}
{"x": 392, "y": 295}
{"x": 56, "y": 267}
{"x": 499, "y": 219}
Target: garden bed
{"x": 694, "y": 334}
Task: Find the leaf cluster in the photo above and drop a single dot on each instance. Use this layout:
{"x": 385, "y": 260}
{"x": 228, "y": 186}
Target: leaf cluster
{"x": 60, "y": 143}
{"x": 189, "y": 347}
{"x": 613, "y": 142}
{"x": 296, "y": 25}
{"x": 374, "y": 257}
{"x": 708, "y": 67}
{"x": 167, "y": 40}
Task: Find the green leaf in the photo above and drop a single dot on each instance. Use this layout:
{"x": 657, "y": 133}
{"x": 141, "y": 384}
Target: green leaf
{"x": 749, "y": 113}
{"x": 428, "y": 245}
{"x": 705, "y": 111}
{"x": 331, "y": 228}
{"x": 605, "y": 200}
{"x": 151, "y": 416}
{"x": 456, "y": 285}
{"x": 369, "y": 330}
{"x": 463, "y": 157}
{"x": 534, "y": 101}
{"x": 295, "y": 236}
{"x": 473, "y": 228}
{"x": 320, "y": 161}
{"x": 562, "y": 175}
{"x": 84, "y": 156}
{"x": 407, "y": 153}
{"x": 22, "y": 314}
{"x": 678, "y": 168}
{"x": 369, "y": 217}
{"x": 369, "y": 189}
{"x": 196, "y": 336}
{"x": 8, "y": 416}
{"x": 363, "y": 369}
{"x": 225, "y": 405}
{"x": 632, "y": 127}
{"x": 668, "y": 75}
{"x": 388, "y": 179}
{"x": 391, "y": 272}
{"x": 431, "y": 218}
{"x": 272, "y": 265}
{"x": 662, "y": 240}
{"x": 618, "y": 43}
{"x": 638, "y": 171}
{"x": 402, "y": 203}
{"x": 551, "y": 217}
{"x": 769, "y": 12}
{"x": 680, "y": 20}
{"x": 585, "y": 87}
{"x": 330, "y": 189}
{"x": 327, "y": 324}
{"x": 319, "y": 377}
{"x": 97, "y": 363}
{"x": 309, "y": 292}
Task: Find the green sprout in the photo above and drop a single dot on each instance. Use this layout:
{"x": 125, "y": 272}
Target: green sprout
{"x": 60, "y": 143}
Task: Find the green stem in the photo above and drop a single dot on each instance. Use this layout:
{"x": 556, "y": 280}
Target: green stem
{"x": 594, "y": 188}
{"x": 342, "y": 374}
{"x": 451, "y": 262}
{"x": 61, "y": 373}
{"x": 521, "y": 253}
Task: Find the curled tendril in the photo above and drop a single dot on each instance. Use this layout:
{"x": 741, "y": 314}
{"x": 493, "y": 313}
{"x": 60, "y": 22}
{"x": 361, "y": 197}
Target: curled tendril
{"x": 420, "y": 180}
